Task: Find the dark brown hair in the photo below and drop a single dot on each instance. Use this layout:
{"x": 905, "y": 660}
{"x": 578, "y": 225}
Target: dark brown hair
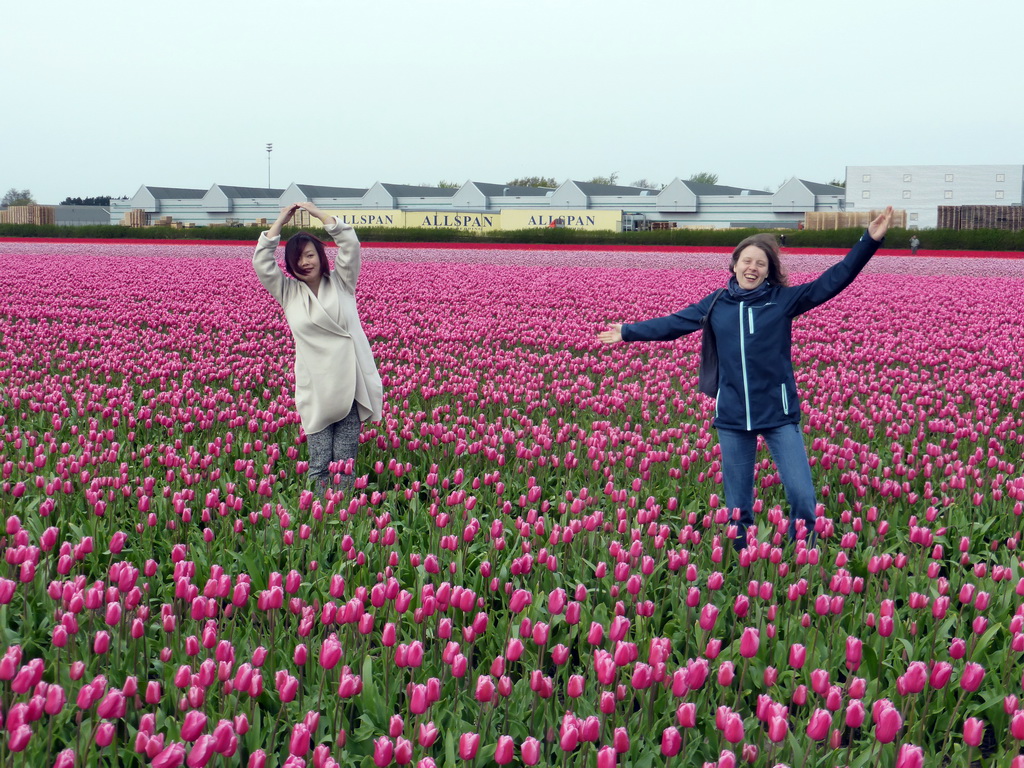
{"x": 769, "y": 245}
{"x": 294, "y": 247}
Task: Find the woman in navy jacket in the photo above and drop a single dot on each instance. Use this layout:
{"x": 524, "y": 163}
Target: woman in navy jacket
{"x": 752, "y": 322}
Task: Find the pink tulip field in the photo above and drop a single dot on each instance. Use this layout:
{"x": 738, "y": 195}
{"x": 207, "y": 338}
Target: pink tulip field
{"x": 534, "y": 567}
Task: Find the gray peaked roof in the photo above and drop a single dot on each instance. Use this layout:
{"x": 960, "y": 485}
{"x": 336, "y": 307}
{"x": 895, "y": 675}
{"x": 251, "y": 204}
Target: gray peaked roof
{"x": 250, "y": 191}
{"x": 608, "y": 189}
{"x": 700, "y": 188}
{"x": 174, "y": 193}
{"x": 409, "y": 190}
{"x": 822, "y": 189}
{"x": 314, "y": 190}
{"x": 497, "y": 190}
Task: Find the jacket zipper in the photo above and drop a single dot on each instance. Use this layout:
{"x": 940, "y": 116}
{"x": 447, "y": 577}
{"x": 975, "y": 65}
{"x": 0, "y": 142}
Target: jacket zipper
{"x": 785, "y": 400}
{"x": 743, "y": 363}
{"x": 750, "y": 319}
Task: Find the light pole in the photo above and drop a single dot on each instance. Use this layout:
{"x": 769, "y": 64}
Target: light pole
{"x": 270, "y": 148}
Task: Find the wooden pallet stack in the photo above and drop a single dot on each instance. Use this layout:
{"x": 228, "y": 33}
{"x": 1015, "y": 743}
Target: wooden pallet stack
{"x": 949, "y": 217}
{"x": 1009, "y": 217}
{"x": 136, "y": 217}
{"x": 847, "y": 219}
{"x": 29, "y": 214}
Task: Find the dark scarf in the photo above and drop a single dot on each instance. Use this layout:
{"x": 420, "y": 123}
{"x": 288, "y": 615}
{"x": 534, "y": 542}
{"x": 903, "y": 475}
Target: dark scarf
{"x": 752, "y": 294}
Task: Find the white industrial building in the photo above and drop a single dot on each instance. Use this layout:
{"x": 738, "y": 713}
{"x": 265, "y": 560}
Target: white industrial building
{"x": 921, "y": 189}
{"x": 679, "y": 204}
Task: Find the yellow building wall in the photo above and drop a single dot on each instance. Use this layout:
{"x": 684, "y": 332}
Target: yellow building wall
{"x": 518, "y": 218}
{"x": 363, "y": 217}
{"x": 509, "y": 218}
{"x": 359, "y": 217}
{"x": 477, "y": 222}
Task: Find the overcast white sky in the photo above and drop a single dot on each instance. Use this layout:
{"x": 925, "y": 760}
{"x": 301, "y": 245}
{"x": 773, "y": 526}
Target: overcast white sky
{"x": 100, "y": 98}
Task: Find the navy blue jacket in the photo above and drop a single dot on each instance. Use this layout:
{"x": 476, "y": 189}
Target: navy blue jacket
{"x": 756, "y": 386}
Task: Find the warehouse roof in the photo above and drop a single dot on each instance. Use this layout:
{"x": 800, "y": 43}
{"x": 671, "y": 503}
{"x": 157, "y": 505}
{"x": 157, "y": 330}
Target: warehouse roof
{"x": 315, "y": 190}
{"x": 498, "y": 190}
{"x": 410, "y": 190}
{"x": 700, "y": 188}
{"x": 823, "y": 189}
{"x": 249, "y": 191}
{"x": 590, "y": 189}
{"x": 176, "y": 193}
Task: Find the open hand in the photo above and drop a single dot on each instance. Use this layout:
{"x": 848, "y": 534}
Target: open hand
{"x": 878, "y": 227}
{"x": 611, "y": 335}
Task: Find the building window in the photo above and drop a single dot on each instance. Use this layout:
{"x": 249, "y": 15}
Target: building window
{"x": 949, "y": 194}
{"x": 906, "y": 194}
{"x": 866, "y": 178}
{"x": 865, "y": 194}
{"x": 949, "y": 177}
{"x": 1000, "y": 177}
{"x": 907, "y": 178}
{"x": 913, "y": 217}
{"x": 999, "y": 194}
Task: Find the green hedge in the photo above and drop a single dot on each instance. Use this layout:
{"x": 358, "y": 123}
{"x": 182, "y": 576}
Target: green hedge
{"x": 931, "y": 239}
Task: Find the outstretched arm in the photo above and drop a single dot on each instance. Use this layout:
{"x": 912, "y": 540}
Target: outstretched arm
{"x": 660, "y": 328}
{"x": 611, "y": 335}
{"x": 837, "y": 277}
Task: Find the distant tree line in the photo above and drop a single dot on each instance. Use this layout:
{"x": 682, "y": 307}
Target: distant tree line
{"x": 100, "y": 200}
{"x": 611, "y": 179}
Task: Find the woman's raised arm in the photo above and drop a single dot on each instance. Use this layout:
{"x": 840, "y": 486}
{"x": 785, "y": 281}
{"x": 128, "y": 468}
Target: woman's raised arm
{"x": 833, "y": 280}
{"x": 265, "y": 262}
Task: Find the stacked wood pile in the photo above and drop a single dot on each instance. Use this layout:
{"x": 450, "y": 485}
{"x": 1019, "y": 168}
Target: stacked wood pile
{"x": 136, "y": 217}
{"x": 29, "y": 214}
{"x": 981, "y": 217}
{"x": 848, "y": 219}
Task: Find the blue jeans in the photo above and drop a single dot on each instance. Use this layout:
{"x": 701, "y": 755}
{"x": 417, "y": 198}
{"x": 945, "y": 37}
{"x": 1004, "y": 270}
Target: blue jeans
{"x": 786, "y": 444}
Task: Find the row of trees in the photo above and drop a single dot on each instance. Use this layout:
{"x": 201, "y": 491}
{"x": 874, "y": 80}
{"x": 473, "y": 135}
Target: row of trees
{"x": 611, "y": 179}
{"x": 100, "y": 200}
{"x": 705, "y": 177}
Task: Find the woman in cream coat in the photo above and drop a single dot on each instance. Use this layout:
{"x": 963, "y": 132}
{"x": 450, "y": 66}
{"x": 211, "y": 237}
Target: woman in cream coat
{"x": 337, "y": 386}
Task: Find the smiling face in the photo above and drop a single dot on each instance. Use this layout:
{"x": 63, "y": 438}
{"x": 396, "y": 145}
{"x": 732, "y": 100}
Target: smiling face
{"x": 307, "y": 266}
{"x": 751, "y": 267}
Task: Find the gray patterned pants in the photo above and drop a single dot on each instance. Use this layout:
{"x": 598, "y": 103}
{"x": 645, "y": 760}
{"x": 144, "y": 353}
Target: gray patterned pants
{"x": 337, "y": 442}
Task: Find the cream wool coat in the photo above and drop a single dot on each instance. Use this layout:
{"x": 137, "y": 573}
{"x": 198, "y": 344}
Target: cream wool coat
{"x": 334, "y": 364}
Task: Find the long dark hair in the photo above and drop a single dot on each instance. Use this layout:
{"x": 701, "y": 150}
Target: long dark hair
{"x": 770, "y": 246}
{"x": 294, "y": 247}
